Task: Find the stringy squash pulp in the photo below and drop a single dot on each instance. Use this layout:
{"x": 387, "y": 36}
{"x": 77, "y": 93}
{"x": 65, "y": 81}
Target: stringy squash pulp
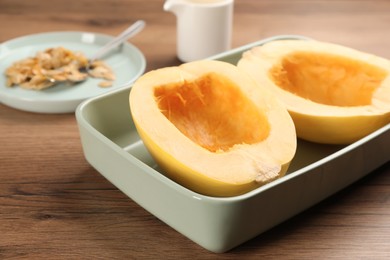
{"x": 334, "y": 94}
{"x": 211, "y": 128}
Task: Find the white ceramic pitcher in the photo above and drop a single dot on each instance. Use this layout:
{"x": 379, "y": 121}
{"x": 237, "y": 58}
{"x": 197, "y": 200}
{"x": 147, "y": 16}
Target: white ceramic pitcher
{"x": 204, "y": 27}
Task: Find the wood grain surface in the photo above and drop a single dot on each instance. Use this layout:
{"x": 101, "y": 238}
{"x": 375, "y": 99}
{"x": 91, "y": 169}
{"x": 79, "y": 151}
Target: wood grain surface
{"x": 54, "y": 205}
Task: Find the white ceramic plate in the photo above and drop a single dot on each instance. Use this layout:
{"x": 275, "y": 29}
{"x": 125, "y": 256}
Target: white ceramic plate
{"x": 127, "y": 62}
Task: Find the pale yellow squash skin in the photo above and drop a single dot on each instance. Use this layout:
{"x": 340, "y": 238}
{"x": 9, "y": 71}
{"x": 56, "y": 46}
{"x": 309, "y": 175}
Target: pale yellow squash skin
{"x": 335, "y": 94}
{"x": 159, "y": 102}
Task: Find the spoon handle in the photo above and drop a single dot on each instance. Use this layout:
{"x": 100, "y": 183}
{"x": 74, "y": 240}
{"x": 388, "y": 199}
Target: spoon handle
{"x": 130, "y": 31}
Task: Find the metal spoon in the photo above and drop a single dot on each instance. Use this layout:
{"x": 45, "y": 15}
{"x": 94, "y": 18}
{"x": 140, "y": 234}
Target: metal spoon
{"x": 126, "y": 34}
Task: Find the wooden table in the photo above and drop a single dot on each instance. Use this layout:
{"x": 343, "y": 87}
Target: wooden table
{"x": 53, "y": 204}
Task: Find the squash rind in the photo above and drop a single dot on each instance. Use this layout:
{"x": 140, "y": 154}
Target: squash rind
{"x": 316, "y": 122}
{"x": 226, "y": 173}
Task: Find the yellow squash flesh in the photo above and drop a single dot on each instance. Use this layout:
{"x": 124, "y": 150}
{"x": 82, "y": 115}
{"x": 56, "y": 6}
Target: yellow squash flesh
{"x": 334, "y": 94}
{"x": 211, "y": 128}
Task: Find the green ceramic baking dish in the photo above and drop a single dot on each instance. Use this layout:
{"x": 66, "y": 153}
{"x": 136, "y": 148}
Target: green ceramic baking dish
{"x": 112, "y": 146}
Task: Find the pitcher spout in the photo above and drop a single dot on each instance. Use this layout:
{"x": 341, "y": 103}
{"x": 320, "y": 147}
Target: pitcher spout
{"x": 174, "y": 6}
